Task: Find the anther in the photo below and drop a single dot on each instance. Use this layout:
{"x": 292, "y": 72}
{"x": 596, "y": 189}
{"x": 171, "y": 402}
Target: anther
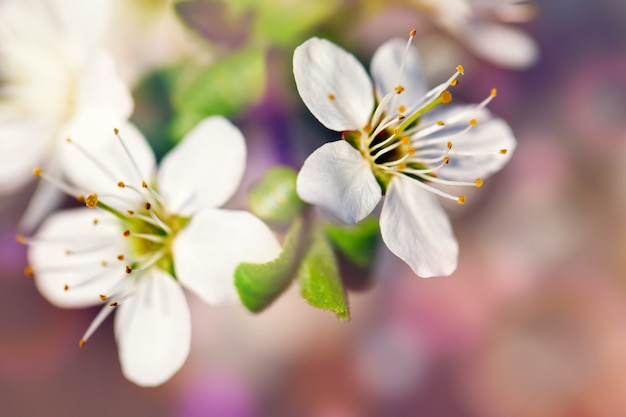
{"x": 410, "y": 151}
{"x": 413, "y": 33}
{"x": 460, "y": 69}
{"x": 449, "y": 145}
{"x": 104, "y": 264}
{"x": 479, "y": 182}
{"x": 143, "y": 184}
{"x": 20, "y": 239}
{"x": 116, "y": 131}
{"x": 121, "y": 184}
{"x": 103, "y": 297}
{"x": 128, "y": 269}
{"x": 28, "y": 271}
{"x": 126, "y": 233}
{"x": 81, "y": 343}
{"x": 80, "y": 198}
{"x": 446, "y": 97}
{"x": 503, "y": 151}
{"x": 454, "y": 82}
{"x": 405, "y": 140}
{"x": 331, "y": 96}
{"x": 114, "y": 304}
{"x": 68, "y": 252}
{"x": 401, "y": 117}
{"x": 460, "y": 199}
{"x": 92, "y": 200}
{"x": 37, "y": 172}
{"x": 130, "y": 212}
{"x": 120, "y": 257}
{"x": 446, "y": 160}
{"x": 147, "y": 206}
{"x": 68, "y": 140}
{"x": 473, "y": 122}
{"x": 398, "y": 89}
{"x": 66, "y": 287}
{"x": 402, "y": 108}
{"x": 440, "y": 123}
{"x": 493, "y": 92}
{"x": 95, "y": 221}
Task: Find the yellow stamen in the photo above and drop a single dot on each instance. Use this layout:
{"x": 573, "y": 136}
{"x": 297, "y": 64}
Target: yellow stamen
{"x": 479, "y": 182}
{"x": 445, "y": 97}
{"x": 461, "y": 199}
{"x": 92, "y": 200}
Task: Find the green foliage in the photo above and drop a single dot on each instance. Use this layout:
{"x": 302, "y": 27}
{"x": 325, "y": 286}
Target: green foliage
{"x": 287, "y": 22}
{"x": 274, "y": 198}
{"x": 358, "y": 243}
{"x": 319, "y": 279}
{"x": 259, "y": 285}
{"x": 225, "y": 87}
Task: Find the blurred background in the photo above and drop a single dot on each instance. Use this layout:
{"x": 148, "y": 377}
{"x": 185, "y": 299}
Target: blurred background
{"x": 533, "y": 322}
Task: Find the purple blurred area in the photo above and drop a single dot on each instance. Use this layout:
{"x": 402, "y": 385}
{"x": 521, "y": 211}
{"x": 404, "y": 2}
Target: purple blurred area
{"x": 532, "y": 324}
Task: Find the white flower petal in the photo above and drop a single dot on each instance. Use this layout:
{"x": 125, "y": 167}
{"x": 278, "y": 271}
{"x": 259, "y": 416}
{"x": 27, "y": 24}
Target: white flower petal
{"x": 107, "y": 163}
{"x": 81, "y": 269}
{"x": 44, "y": 200}
{"x": 209, "y": 248}
{"x": 153, "y": 330}
{"x": 484, "y": 141}
{"x": 385, "y": 68}
{"x": 337, "y": 178}
{"x": 24, "y": 145}
{"x": 417, "y": 230}
{"x": 501, "y": 45}
{"x": 333, "y": 85}
{"x": 101, "y": 90}
{"x": 205, "y": 169}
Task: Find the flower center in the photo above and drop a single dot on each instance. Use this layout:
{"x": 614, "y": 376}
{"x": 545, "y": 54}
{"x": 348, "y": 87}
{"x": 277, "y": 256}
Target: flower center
{"x": 398, "y": 140}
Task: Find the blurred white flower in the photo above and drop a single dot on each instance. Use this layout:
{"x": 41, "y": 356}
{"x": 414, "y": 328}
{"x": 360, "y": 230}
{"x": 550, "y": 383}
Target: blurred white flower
{"x": 147, "y": 236}
{"x": 476, "y": 24}
{"x": 149, "y": 35}
{"x": 397, "y": 142}
{"x": 53, "y": 76}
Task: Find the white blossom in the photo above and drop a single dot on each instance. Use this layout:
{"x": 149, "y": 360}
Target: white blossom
{"x": 401, "y": 141}
{"x": 54, "y": 77}
{"x": 146, "y": 235}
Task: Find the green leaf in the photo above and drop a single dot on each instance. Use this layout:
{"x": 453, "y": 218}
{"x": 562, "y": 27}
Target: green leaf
{"x": 318, "y": 276}
{"x": 287, "y": 22}
{"x": 259, "y": 285}
{"x": 274, "y": 198}
{"x": 358, "y": 242}
{"x": 225, "y": 87}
